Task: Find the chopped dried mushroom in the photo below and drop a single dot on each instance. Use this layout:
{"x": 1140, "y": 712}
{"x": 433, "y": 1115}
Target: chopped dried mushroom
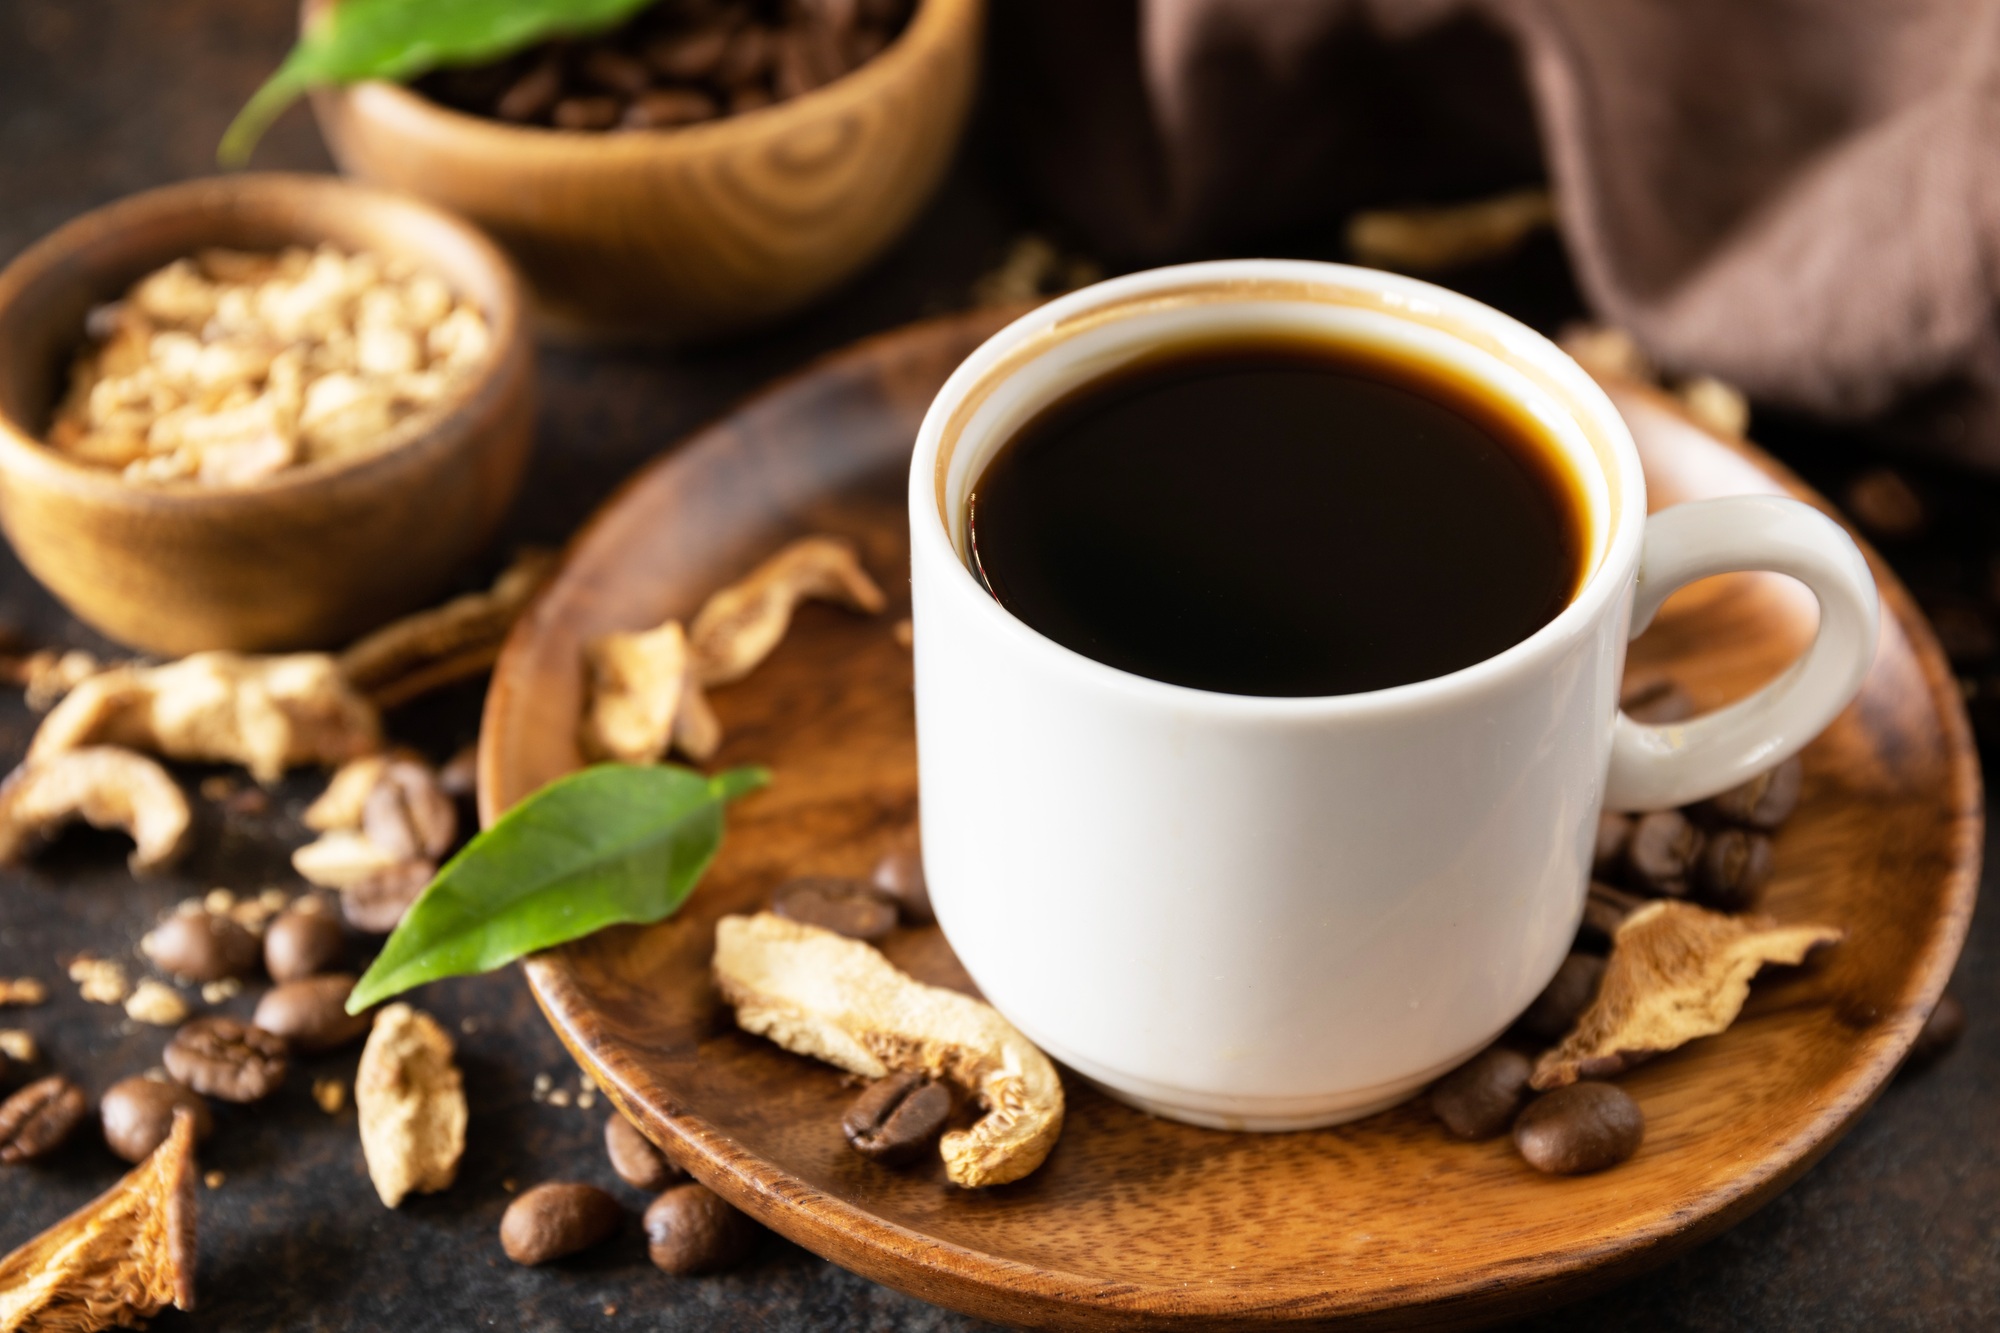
{"x": 644, "y": 699}
{"x": 839, "y": 1000}
{"x": 228, "y": 367}
{"x": 739, "y": 626}
{"x": 118, "y": 1260}
{"x": 1676, "y": 972}
{"x": 462, "y": 637}
{"x": 341, "y": 859}
{"x": 103, "y": 785}
{"x": 1425, "y": 240}
{"x": 266, "y": 713}
{"x": 411, "y": 1104}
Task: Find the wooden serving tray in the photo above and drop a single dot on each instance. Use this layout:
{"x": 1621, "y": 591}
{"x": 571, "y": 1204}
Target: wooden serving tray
{"x": 1142, "y": 1223}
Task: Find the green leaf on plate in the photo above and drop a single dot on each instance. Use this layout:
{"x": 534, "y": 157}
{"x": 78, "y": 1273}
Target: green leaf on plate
{"x": 400, "y": 39}
{"x": 614, "y": 843}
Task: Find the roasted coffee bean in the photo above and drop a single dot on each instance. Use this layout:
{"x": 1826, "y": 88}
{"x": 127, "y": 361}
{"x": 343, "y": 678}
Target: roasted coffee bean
{"x": 614, "y": 71}
{"x": 896, "y": 1117}
{"x": 635, "y": 1159}
{"x": 201, "y": 946}
{"x": 36, "y": 1120}
{"x": 1655, "y": 700}
{"x": 1733, "y": 867}
{"x": 1663, "y": 851}
{"x": 1765, "y": 801}
{"x": 1582, "y": 1128}
{"x": 138, "y": 1113}
{"x": 587, "y": 113}
{"x": 900, "y": 874}
{"x": 557, "y": 1219}
{"x": 747, "y": 57}
{"x": 1938, "y": 1035}
{"x": 847, "y": 907}
{"x": 408, "y": 815}
{"x": 1614, "y": 835}
{"x": 459, "y": 777}
{"x": 1564, "y": 999}
{"x": 1605, "y": 909}
{"x": 665, "y": 108}
{"x": 220, "y": 1057}
{"x": 689, "y": 56}
{"x": 311, "y": 1014}
{"x": 533, "y": 94}
{"x": 1886, "y": 505}
{"x": 689, "y": 1229}
{"x": 1478, "y": 1099}
{"x": 302, "y": 941}
{"x": 377, "y": 904}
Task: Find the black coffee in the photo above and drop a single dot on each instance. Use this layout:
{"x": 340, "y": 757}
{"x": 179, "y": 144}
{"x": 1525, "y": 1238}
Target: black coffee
{"x": 1280, "y": 517}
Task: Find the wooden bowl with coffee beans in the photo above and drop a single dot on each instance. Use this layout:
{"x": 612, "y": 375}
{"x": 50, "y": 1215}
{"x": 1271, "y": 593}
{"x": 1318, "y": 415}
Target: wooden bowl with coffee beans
{"x": 704, "y": 169}
{"x": 259, "y": 412}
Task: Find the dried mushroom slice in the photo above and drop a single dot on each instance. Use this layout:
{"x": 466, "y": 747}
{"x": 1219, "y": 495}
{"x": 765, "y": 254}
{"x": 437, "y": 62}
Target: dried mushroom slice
{"x": 1676, "y": 972}
{"x": 340, "y": 805}
{"x": 637, "y": 684}
{"x": 411, "y": 1103}
{"x": 820, "y": 994}
{"x": 118, "y": 1260}
{"x": 739, "y": 626}
{"x": 460, "y": 638}
{"x": 104, "y": 786}
{"x": 266, "y": 713}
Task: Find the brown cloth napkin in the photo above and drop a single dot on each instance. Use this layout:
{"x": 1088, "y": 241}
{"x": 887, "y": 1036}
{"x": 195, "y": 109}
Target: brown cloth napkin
{"x": 1800, "y": 196}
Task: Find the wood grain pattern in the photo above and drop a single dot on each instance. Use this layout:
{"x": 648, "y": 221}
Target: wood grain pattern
{"x": 697, "y": 231}
{"x": 1142, "y": 1223}
{"x": 304, "y": 559}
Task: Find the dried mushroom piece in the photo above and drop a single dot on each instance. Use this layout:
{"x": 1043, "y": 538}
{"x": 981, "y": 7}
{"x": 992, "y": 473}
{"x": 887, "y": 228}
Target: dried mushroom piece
{"x": 1427, "y": 240}
{"x": 118, "y": 1260}
{"x": 644, "y": 699}
{"x": 342, "y": 859}
{"x": 839, "y": 1000}
{"x": 739, "y": 626}
{"x": 266, "y": 713}
{"x": 1676, "y": 972}
{"x": 106, "y": 787}
{"x": 411, "y": 1104}
{"x": 339, "y": 806}
{"x": 461, "y": 638}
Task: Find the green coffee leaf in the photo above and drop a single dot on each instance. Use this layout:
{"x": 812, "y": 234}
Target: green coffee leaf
{"x": 400, "y": 39}
{"x": 614, "y": 843}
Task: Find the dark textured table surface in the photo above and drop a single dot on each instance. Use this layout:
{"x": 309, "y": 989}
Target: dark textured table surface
{"x": 1899, "y": 1227}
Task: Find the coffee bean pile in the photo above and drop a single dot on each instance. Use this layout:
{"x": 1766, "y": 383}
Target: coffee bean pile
{"x": 678, "y": 62}
{"x": 1717, "y": 853}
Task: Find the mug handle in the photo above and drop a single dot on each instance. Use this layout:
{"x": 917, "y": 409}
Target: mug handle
{"x": 1657, "y": 768}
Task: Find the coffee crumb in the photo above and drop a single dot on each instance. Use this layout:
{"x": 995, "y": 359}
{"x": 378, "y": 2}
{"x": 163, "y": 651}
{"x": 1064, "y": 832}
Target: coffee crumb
{"x": 331, "y": 1094}
{"x": 218, "y": 901}
{"x": 542, "y": 1085}
{"x": 905, "y": 632}
{"x": 217, "y": 992}
{"x": 219, "y": 787}
{"x": 586, "y": 1097}
{"x": 510, "y": 1184}
{"x": 19, "y": 1046}
{"x": 468, "y": 1026}
{"x": 99, "y": 980}
{"x": 156, "y": 1003}
{"x": 214, "y": 1179}
{"x": 559, "y": 1097}
{"x": 610, "y": 1310}
{"x": 22, "y": 991}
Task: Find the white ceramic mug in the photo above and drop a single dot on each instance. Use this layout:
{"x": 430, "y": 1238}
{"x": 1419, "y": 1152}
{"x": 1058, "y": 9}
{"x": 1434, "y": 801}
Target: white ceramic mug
{"x": 1275, "y": 913}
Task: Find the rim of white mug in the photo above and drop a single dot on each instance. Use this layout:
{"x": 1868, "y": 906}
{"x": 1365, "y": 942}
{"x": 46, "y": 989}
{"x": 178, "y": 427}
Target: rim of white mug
{"x": 1503, "y": 339}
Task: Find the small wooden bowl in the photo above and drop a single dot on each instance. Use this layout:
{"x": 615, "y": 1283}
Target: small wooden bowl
{"x": 309, "y": 557}
{"x": 688, "y": 233}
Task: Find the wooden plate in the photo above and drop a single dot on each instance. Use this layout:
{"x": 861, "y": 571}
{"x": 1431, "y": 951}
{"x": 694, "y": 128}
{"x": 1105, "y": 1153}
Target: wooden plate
{"x": 1141, "y": 1223}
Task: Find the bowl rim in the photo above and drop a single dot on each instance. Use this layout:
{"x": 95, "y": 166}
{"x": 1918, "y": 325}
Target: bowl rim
{"x": 931, "y": 28}
{"x": 442, "y": 425}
